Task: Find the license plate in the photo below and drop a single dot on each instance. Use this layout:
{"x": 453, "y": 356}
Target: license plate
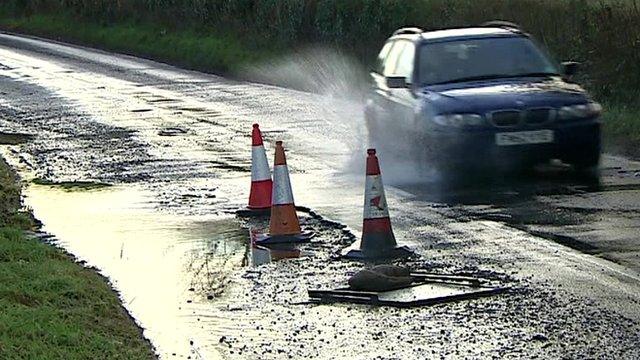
{"x": 524, "y": 137}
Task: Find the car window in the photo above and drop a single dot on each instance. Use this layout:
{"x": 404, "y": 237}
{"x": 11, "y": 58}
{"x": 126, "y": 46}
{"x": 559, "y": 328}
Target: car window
{"x": 404, "y": 67}
{"x": 486, "y": 57}
{"x": 392, "y": 59}
{"x": 379, "y": 68}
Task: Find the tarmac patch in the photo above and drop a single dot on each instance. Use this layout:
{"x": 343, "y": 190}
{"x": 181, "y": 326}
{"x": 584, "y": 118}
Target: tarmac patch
{"x": 72, "y": 185}
{"x": 172, "y": 131}
{"x": 14, "y": 138}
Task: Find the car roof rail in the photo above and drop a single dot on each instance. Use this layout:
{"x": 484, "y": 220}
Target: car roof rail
{"x": 408, "y": 30}
{"x": 502, "y": 24}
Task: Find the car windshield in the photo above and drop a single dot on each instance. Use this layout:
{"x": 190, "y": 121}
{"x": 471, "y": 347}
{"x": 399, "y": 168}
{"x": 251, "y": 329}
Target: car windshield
{"x": 479, "y": 59}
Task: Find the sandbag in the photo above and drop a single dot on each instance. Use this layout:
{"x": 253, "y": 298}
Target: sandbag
{"x": 391, "y": 270}
{"x": 381, "y": 278}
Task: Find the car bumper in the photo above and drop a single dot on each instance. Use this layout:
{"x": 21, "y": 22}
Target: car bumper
{"x": 572, "y": 141}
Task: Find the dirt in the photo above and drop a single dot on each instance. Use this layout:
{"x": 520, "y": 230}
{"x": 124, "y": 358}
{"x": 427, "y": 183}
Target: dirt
{"x": 526, "y": 321}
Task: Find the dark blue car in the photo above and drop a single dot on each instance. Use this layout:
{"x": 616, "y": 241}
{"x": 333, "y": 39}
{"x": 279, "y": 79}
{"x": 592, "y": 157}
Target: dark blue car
{"x": 482, "y": 96}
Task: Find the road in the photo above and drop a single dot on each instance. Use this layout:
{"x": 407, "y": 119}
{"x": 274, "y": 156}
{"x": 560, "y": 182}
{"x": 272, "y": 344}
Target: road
{"x": 174, "y": 145}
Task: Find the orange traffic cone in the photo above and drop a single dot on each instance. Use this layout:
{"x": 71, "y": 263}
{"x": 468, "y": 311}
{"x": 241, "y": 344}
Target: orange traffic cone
{"x": 377, "y": 240}
{"x": 283, "y": 225}
{"x": 261, "y": 184}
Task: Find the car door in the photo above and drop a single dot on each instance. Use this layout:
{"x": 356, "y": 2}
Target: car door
{"x": 385, "y": 125}
{"x": 401, "y": 101}
{"x": 378, "y": 91}
{"x": 377, "y": 104}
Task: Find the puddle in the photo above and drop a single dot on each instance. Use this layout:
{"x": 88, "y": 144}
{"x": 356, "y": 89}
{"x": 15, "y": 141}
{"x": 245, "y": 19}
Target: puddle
{"x": 264, "y": 254}
{"x": 153, "y": 258}
{"x": 177, "y": 274}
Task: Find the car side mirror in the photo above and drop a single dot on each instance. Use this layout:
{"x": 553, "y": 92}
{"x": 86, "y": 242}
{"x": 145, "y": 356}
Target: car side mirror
{"x": 570, "y": 68}
{"x": 396, "y": 82}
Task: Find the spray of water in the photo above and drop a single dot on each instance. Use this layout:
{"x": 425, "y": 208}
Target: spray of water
{"x": 342, "y": 83}
{"x": 325, "y": 71}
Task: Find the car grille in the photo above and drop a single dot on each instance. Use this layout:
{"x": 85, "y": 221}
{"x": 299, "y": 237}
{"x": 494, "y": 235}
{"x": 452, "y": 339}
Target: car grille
{"x": 538, "y": 116}
{"x": 511, "y": 118}
{"x": 505, "y": 118}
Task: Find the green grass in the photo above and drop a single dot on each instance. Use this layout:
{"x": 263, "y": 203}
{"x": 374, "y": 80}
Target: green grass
{"x": 11, "y": 213}
{"x": 203, "y": 50}
{"x": 622, "y": 129}
{"x": 50, "y": 306}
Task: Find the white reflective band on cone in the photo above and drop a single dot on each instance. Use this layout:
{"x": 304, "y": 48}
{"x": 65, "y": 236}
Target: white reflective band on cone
{"x": 282, "y": 194}
{"x": 375, "y": 203}
{"x": 259, "y": 165}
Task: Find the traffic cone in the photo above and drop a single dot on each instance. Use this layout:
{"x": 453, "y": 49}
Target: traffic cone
{"x": 261, "y": 184}
{"x": 377, "y": 241}
{"x": 284, "y": 226}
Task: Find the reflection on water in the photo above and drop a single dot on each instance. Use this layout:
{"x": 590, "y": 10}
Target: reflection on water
{"x": 212, "y": 260}
{"x": 163, "y": 265}
{"x": 263, "y": 254}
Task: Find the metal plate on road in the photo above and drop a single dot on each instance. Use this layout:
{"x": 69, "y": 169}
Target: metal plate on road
{"x": 524, "y": 137}
{"x": 412, "y": 296}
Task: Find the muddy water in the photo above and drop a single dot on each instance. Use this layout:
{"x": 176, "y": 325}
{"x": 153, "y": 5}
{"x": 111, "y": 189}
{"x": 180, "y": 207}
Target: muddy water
{"x": 176, "y": 146}
{"x": 153, "y": 259}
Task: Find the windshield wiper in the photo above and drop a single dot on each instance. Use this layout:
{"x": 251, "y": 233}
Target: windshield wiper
{"x": 494, "y": 76}
{"x": 537, "y": 74}
{"x": 473, "y": 78}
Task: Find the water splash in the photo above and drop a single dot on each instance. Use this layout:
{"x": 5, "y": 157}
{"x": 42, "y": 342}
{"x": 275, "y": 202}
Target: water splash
{"x": 320, "y": 70}
{"x": 342, "y": 82}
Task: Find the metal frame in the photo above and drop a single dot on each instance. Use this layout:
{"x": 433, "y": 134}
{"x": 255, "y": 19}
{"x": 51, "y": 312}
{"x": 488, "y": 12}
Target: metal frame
{"x": 372, "y": 298}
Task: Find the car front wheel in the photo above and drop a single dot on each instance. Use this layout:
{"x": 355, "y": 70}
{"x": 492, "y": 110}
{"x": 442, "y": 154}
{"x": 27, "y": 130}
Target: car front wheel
{"x": 586, "y": 162}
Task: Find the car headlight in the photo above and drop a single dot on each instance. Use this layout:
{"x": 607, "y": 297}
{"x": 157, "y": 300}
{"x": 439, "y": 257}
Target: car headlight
{"x": 581, "y": 111}
{"x": 459, "y": 120}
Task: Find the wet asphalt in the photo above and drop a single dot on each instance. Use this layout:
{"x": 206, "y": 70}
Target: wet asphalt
{"x": 175, "y": 146}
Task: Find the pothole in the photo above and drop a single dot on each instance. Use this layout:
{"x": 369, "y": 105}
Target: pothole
{"x": 72, "y": 185}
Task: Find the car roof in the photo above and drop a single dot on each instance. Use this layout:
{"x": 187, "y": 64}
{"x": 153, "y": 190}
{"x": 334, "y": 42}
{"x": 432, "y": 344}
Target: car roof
{"x": 462, "y": 33}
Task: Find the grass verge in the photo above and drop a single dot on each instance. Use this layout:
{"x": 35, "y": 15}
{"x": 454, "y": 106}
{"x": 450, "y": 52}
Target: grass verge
{"x": 52, "y": 307}
{"x": 207, "y": 50}
{"x": 622, "y": 130}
